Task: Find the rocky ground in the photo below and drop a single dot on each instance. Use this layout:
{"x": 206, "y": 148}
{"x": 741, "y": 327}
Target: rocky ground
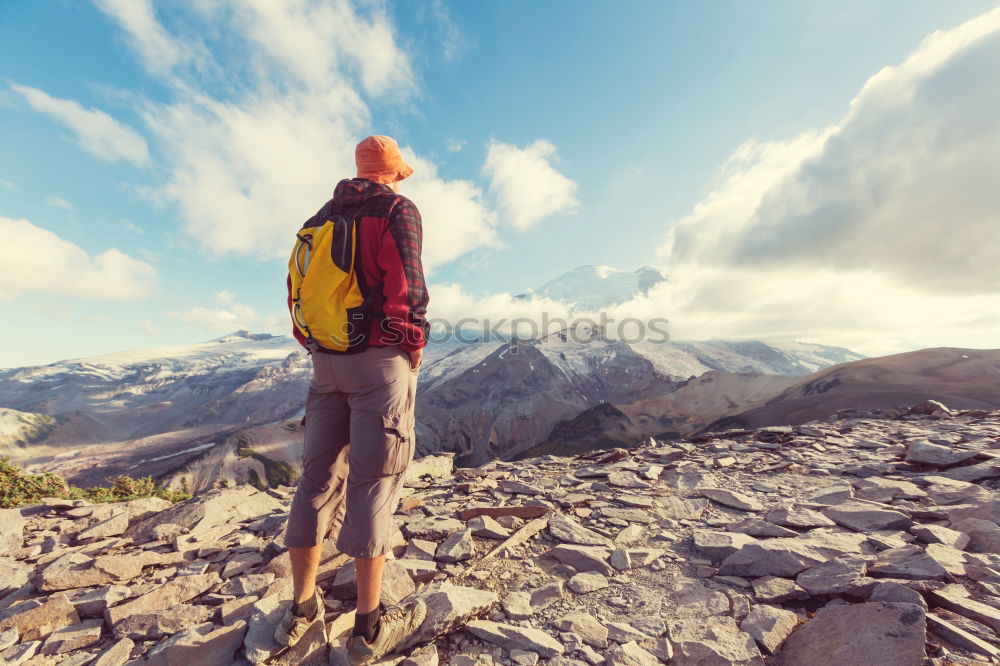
{"x": 851, "y": 541}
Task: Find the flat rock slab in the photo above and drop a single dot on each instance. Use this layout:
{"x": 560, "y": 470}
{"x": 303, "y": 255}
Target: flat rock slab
{"x": 927, "y": 453}
{"x": 732, "y": 499}
{"x": 675, "y": 508}
{"x": 513, "y": 637}
{"x": 448, "y": 608}
{"x": 35, "y": 619}
{"x": 73, "y": 637}
{"x": 583, "y": 558}
{"x": 772, "y": 557}
{"x": 798, "y": 517}
{"x": 11, "y": 531}
{"x": 165, "y": 596}
{"x": 909, "y": 562}
{"x": 862, "y": 517}
{"x": 204, "y": 645}
{"x": 568, "y": 530}
{"x": 769, "y": 625}
{"x": 714, "y": 640}
{"x": 205, "y": 511}
{"x": 878, "y": 632}
{"x": 259, "y": 644}
{"x": 523, "y": 512}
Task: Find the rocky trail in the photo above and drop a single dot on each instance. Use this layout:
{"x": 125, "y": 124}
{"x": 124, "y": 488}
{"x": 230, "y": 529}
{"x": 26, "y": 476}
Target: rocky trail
{"x": 851, "y": 541}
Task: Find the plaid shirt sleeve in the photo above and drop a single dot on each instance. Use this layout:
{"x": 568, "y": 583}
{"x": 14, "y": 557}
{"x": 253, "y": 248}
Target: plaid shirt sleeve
{"x": 403, "y": 289}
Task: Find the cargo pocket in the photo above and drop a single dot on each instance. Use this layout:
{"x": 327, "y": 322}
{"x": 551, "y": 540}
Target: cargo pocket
{"x": 399, "y": 442}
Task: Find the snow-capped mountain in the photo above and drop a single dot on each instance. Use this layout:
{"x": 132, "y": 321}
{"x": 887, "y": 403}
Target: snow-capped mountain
{"x": 592, "y": 288}
{"x": 192, "y": 407}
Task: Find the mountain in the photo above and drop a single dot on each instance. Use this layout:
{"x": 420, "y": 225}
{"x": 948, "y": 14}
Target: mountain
{"x": 855, "y": 541}
{"x": 960, "y": 378}
{"x": 184, "y": 413}
{"x": 595, "y": 287}
{"x": 144, "y": 411}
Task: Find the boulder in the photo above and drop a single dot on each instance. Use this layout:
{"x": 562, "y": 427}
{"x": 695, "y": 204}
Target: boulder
{"x": 116, "y": 655}
{"x": 154, "y": 625}
{"x": 717, "y": 546}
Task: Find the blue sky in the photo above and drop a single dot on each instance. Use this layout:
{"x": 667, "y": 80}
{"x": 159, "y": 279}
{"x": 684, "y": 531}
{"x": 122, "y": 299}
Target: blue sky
{"x": 156, "y": 155}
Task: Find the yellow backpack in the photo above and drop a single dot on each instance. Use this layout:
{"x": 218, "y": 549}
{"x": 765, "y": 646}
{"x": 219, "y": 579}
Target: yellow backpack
{"x": 330, "y": 306}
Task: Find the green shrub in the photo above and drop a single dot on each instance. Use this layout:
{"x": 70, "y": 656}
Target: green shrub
{"x": 18, "y": 488}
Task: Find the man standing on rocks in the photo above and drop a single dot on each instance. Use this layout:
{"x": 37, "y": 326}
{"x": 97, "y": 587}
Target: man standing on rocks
{"x": 359, "y": 423}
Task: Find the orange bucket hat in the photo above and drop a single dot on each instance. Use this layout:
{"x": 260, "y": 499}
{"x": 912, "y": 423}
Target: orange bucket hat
{"x": 378, "y": 158}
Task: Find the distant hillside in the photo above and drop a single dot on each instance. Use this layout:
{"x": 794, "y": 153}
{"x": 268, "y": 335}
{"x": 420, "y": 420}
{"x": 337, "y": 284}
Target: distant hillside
{"x": 959, "y": 378}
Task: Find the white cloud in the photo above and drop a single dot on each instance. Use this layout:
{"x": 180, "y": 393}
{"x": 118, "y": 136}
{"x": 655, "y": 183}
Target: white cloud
{"x": 455, "y": 219}
{"x": 149, "y": 328}
{"x": 526, "y": 186}
{"x": 230, "y": 315}
{"x": 876, "y": 231}
{"x": 33, "y": 259}
{"x": 250, "y": 160}
{"x": 453, "y": 145}
{"x": 159, "y": 50}
{"x": 7, "y": 184}
{"x": 58, "y": 202}
{"x": 95, "y": 131}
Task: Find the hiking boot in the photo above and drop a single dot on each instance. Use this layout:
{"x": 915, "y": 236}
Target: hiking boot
{"x": 395, "y": 626}
{"x": 292, "y": 628}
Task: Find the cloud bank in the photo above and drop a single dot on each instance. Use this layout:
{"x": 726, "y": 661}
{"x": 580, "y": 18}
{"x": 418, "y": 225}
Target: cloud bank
{"x": 876, "y": 231}
{"x": 36, "y": 260}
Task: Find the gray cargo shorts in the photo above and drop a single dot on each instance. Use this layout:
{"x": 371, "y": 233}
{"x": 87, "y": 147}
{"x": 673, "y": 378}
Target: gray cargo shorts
{"x": 359, "y": 438}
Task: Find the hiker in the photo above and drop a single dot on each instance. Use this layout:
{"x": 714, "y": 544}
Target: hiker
{"x": 362, "y": 316}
